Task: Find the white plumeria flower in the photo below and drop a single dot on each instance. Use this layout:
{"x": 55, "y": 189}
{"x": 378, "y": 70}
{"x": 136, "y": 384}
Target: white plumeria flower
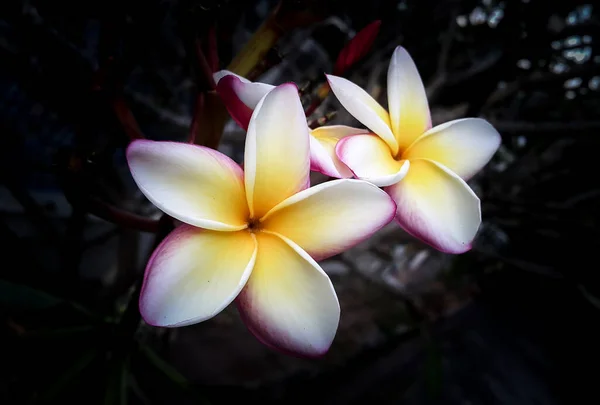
{"x": 424, "y": 169}
{"x": 241, "y": 97}
{"x": 253, "y": 235}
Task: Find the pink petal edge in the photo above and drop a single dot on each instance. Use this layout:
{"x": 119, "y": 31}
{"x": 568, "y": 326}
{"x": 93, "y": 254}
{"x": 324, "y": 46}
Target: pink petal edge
{"x": 237, "y": 109}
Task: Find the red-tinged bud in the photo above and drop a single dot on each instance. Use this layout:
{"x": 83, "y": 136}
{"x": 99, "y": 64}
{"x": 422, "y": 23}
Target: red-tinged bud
{"x": 357, "y": 48}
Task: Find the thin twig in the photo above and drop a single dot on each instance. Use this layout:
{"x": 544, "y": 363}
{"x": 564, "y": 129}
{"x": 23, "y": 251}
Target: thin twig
{"x": 205, "y": 79}
{"x": 196, "y": 118}
{"x": 123, "y": 218}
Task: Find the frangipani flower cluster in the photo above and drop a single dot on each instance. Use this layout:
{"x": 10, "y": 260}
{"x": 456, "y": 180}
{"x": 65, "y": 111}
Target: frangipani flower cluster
{"x": 423, "y": 169}
{"x": 253, "y": 235}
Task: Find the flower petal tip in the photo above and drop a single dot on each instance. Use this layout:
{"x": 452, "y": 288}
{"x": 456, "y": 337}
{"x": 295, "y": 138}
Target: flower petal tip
{"x": 289, "y": 86}
{"x": 318, "y": 354}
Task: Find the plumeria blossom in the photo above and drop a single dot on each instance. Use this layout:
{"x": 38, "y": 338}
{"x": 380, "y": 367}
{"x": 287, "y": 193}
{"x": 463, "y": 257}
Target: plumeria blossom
{"x": 241, "y": 97}
{"x": 255, "y": 233}
{"x": 424, "y": 169}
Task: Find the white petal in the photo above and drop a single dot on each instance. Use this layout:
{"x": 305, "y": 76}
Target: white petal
{"x": 370, "y": 159}
{"x": 437, "y": 206}
{"x": 322, "y": 149}
{"x": 277, "y": 158}
{"x": 407, "y": 100}
{"x": 248, "y": 92}
{"x": 364, "y": 108}
{"x": 289, "y": 303}
{"x": 194, "y": 184}
{"x": 331, "y": 217}
{"x": 194, "y": 274}
{"x": 217, "y": 76}
{"x": 463, "y": 146}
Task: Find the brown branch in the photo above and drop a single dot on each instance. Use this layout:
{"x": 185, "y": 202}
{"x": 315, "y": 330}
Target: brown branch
{"x": 196, "y": 118}
{"x": 126, "y": 118}
{"x": 120, "y": 217}
{"x": 319, "y": 122}
{"x": 212, "y": 51}
{"x": 205, "y": 80}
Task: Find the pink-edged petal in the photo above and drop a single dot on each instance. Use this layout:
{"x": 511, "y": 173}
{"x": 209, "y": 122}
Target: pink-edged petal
{"x": 331, "y": 217}
{"x": 239, "y": 95}
{"x": 364, "y": 108}
{"x": 463, "y": 146}
{"x": 194, "y": 184}
{"x": 240, "y": 112}
{"x": 288, "y": 302}
{"x": 437, "y": 206}
{"x": 194, "y": 274}
{"x": 217, "y": 76}
{"x": 370, "y": 159}
{"x": 277, "y": 158}
{"x": 322, "y": 150}
{"x": 407, "y": 100}
{"x": 248, "y": 92}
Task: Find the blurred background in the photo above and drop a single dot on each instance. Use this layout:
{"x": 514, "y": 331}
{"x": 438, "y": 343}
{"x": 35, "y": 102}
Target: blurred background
{"x": 514, "y": 321}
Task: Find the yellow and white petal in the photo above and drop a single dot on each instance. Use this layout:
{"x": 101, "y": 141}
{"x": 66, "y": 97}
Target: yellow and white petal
{"x": 407, "y": 100}
{"x": 194, "y": 274}
{"x": 194, "y": 184}
{"x": 463, "y": 146}
{"x": 277, "y": 157}
{"x": 289, "y": 303}
{"x": 248, "y": 92}
{"x": 370, "y": 159}
{"x": 437, "y": 206}
{"x": 322, "y": 149}
{"x": 364, "y": 108}
{"x": 217, "y": 76}
{"x": 331, "y": 217}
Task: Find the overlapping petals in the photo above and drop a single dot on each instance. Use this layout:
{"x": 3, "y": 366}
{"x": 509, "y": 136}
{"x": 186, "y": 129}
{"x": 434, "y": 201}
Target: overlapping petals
{"x": 433, "y": 201}
{"x": 241, "y": 97}
{"x": 364, "y": 108}
{"x": 322, "y": 150}
{"x": 371, "y": 160}
{"x": 463, "y": 146}
{"x": 276, "y": 159}
{"x": 251, "y": 235}
{"x": 344, "y": 213}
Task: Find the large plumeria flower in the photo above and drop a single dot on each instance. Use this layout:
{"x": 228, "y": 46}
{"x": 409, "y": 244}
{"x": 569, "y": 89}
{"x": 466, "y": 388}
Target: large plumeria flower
{"x": 424, "y": 169}
{"x": 241, "y": 97}
{"x": 253, "y": 235}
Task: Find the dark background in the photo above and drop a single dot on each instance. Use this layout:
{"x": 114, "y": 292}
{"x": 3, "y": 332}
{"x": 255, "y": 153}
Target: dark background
{"x": 514, "y": 321}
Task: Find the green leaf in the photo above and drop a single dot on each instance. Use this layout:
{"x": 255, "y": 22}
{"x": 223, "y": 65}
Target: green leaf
{"x": 172, "y": 374}
{"x": 116, "y": 390}
{"x": 69, "y": 375}
{"x": 59, "y": 333}
{"x": 18, "y": 296}
{"x": 22, "y": 297}
{"x": 592, "y": 299}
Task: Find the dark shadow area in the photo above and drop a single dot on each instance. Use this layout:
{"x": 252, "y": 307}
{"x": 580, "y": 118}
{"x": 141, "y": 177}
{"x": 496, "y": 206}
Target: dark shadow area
{"x": 512, "y": 322}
